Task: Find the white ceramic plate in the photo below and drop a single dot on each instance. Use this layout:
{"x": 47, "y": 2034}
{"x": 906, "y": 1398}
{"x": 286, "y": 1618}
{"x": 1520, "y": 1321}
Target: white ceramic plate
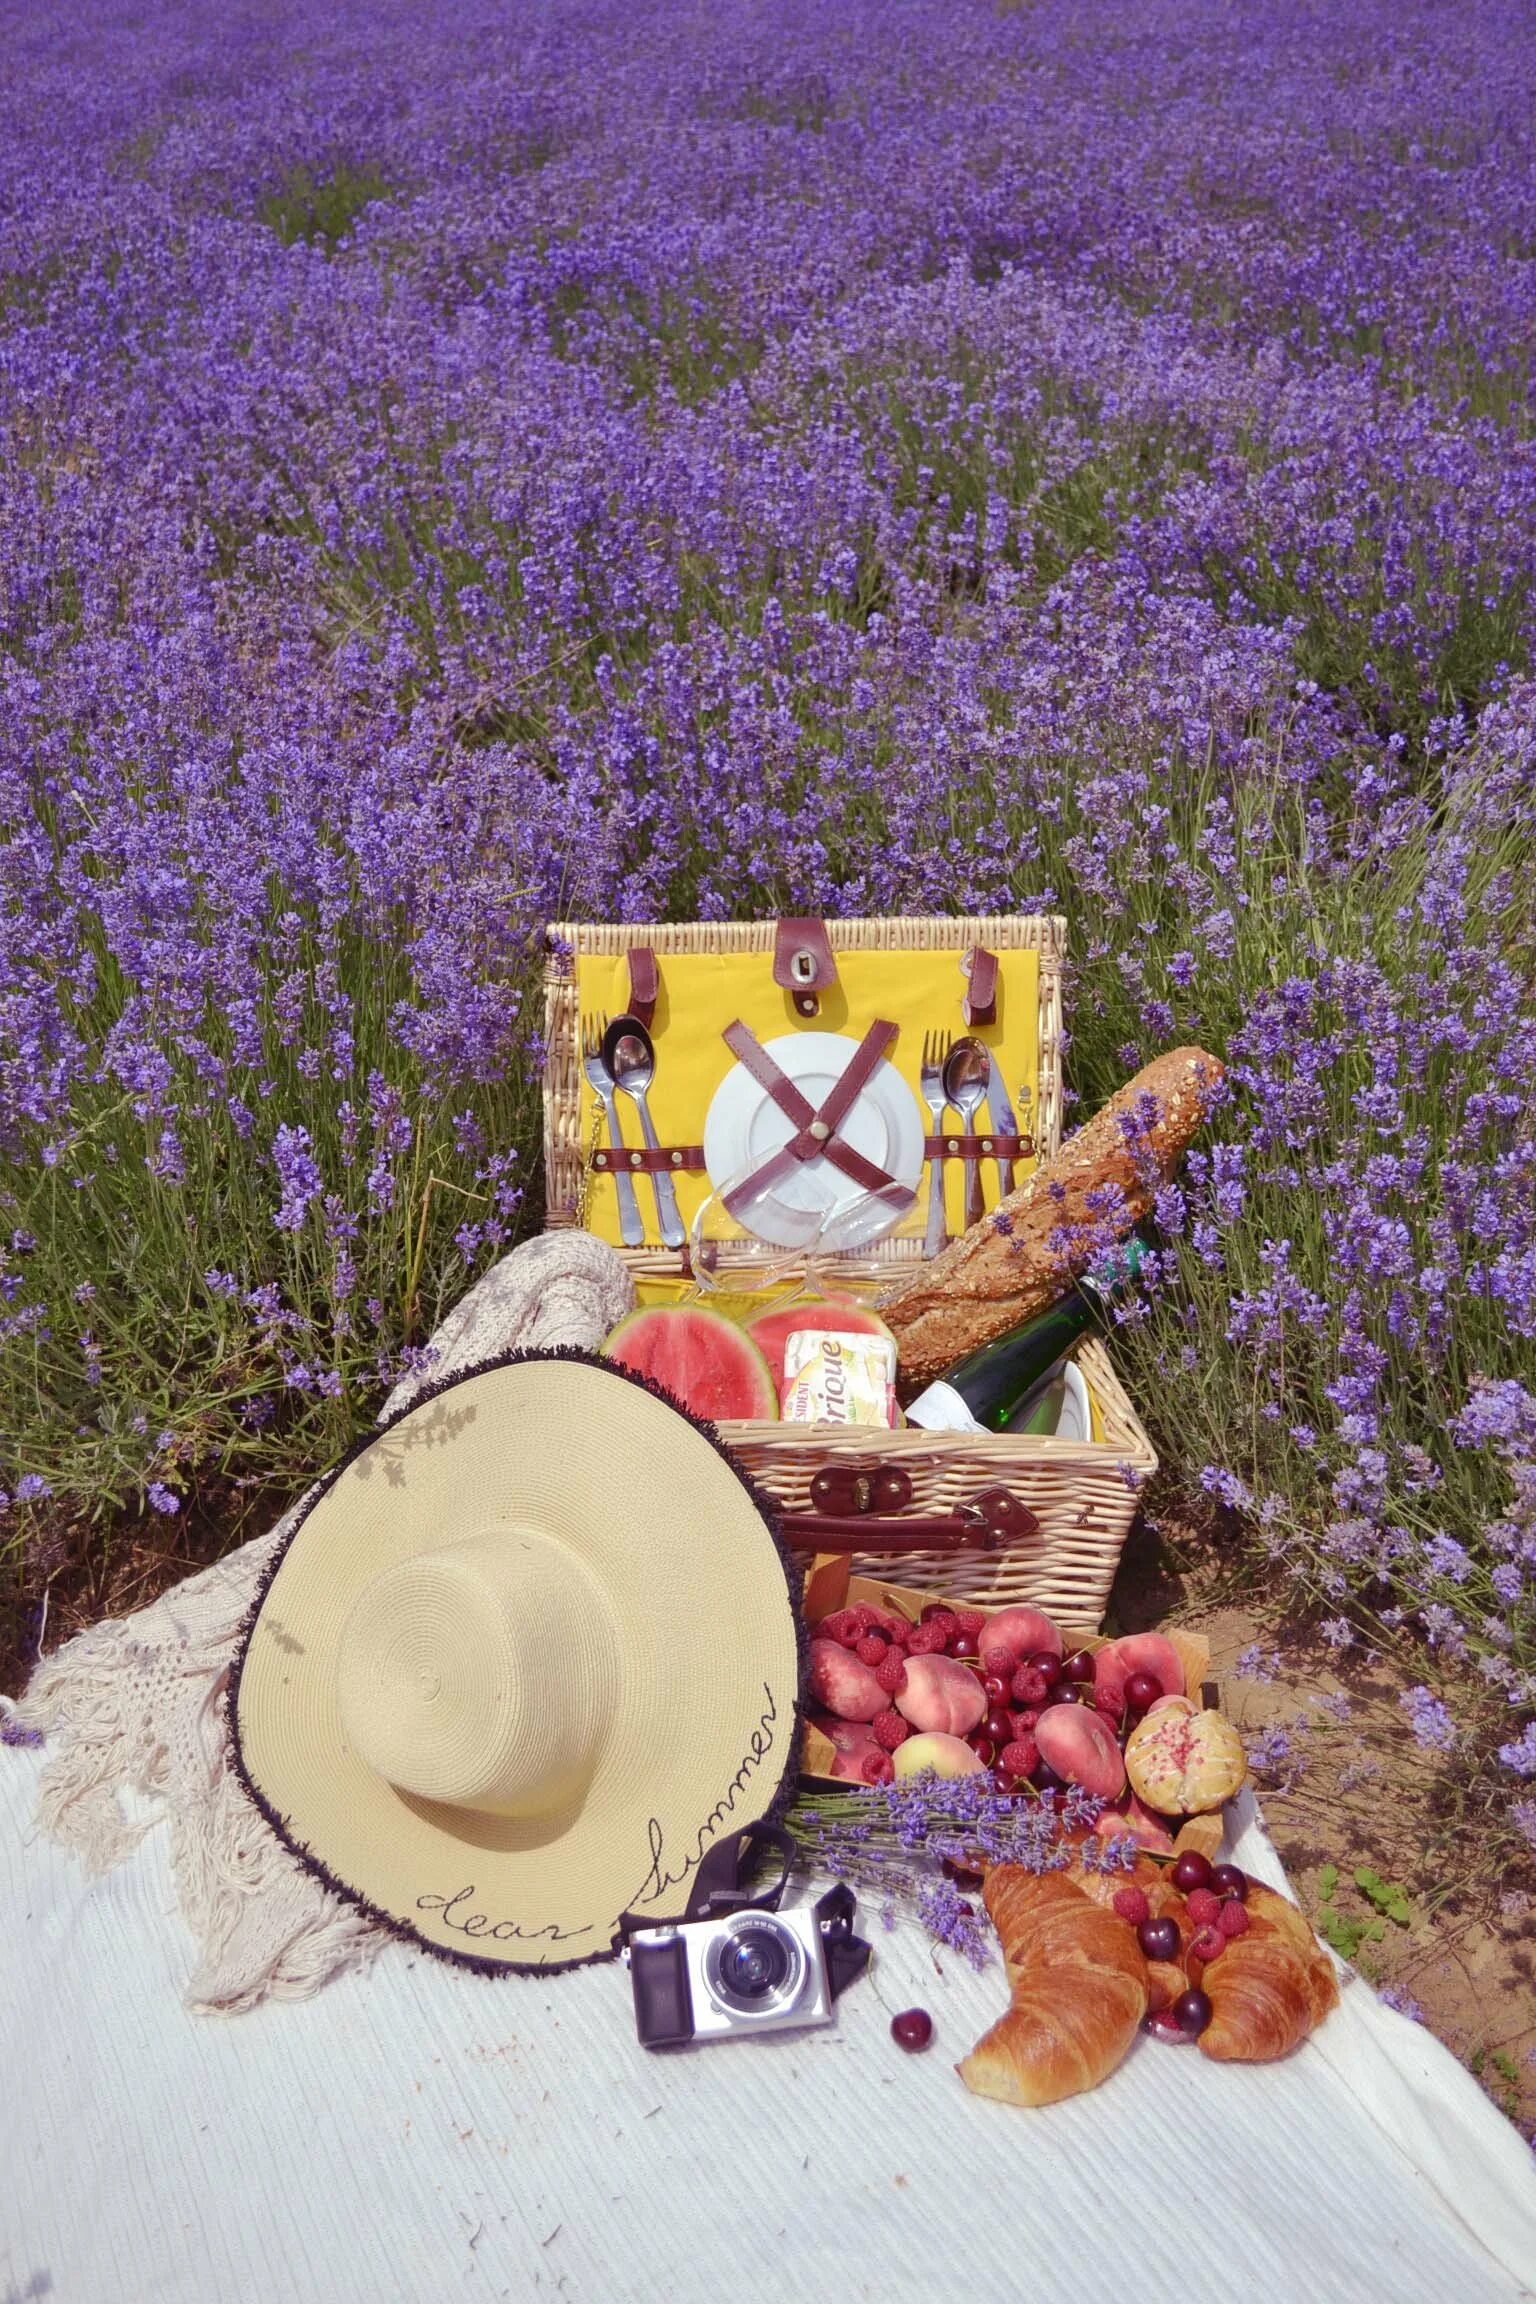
{"x": 816, "y": 1205}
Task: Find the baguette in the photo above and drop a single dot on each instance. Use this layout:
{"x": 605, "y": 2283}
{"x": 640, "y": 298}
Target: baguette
{"x": 1028, "y": 1252}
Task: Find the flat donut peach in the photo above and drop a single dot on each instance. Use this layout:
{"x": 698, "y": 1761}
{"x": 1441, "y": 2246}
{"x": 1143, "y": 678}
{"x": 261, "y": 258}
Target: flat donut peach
{"x": 941, "y": 1697}
{"x": 1184, "y": 1762}
{"x": 842, "y": 1684}
{"x": 1014, "y": 1633}
{"x": 1081, "y": 1746}
{"x": 1137, "y": 1652}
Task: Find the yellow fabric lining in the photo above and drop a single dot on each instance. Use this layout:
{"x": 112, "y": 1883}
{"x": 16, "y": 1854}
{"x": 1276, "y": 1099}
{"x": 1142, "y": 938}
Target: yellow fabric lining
{"x": 703, "y": 992}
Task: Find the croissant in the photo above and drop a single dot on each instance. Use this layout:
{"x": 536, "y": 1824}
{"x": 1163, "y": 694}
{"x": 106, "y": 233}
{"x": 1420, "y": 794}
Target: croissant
{"x": 1079, "y": 1986}
{"x": 1269, "y": 1988}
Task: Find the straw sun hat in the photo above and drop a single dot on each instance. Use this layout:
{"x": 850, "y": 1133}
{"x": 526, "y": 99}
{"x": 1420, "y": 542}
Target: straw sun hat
{"x": 526, "y": 1654}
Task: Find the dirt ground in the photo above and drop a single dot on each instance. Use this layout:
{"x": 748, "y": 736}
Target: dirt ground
{"x": 1355, "y": 1792}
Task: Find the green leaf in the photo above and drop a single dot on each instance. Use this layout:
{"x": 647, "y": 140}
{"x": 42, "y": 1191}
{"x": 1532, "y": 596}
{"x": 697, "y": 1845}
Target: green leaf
{"x": 1386, "y": 1895}
{"x": 1327, "y": 1881}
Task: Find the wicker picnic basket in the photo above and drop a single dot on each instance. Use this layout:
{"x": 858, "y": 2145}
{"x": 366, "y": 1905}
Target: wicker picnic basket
{"x": 1040, "y": 1520}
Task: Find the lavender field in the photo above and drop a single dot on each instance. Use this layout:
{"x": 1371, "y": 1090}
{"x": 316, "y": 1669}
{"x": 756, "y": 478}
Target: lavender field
{"x": 632, "y": 460}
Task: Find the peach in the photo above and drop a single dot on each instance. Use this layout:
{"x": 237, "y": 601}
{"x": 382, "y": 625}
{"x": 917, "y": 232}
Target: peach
{"x": 1082, "y": 1748}
{"x": 941, "y": 1697}
{"x": 1014, "y": 1633}
{"x": 852, "y": 1742}
{"x": 842, "y": 1684}
{"x": 1137, "y": 1652}
{"x": 938, "y": 1755}
{"x": 1131, "y": 1821}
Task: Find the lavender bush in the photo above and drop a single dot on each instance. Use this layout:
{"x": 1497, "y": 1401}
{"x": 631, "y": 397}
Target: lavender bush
{"x": 646, "y": 460}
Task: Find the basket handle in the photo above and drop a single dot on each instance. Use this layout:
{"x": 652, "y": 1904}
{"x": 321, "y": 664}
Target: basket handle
{"x": 992, "y": 1518}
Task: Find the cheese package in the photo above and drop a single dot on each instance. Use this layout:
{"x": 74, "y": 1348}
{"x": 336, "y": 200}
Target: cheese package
{"x": 836, "y": 1379}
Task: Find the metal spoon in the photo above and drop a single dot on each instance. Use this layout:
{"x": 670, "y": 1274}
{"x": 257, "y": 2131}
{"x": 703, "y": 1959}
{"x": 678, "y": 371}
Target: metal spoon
{"x": 967, "y": 1072}
{"x": 631, "y": 1058}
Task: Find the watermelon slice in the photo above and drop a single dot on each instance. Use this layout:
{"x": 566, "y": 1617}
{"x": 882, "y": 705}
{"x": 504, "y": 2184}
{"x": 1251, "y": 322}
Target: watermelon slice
{"x": 705, "y": 1361}
{"x": 770, "y": 1331}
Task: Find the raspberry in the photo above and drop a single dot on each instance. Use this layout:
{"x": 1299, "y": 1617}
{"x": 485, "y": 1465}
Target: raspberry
{"x": 927, "y": 1640}
{"x": 889, "y": 1729}
{"x": 1029, "y": 1685}
{"x": 871, "y": 1649}
{"x": 892, "y": 1673}
{"x": 970, "y": 1621}
{"x": 1206, "y": 1943}
{"x": 1020, "y": 1758}
{"x": 1203, "y": 1908}
{"x": 942, "y": 1618}
{"x": 1234, "y": 1920}
{"x": 876, "y": 1768}
{"x": 1132, "y": 1905}
{"x": 866, "y": 1615}
{"x": 842, "y": 1625}
{"x": 1024, "y": 1721}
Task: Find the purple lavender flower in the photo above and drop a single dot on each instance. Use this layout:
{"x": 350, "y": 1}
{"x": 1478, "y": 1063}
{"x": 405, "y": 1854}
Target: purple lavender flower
{"x": 1433, "y": 1728}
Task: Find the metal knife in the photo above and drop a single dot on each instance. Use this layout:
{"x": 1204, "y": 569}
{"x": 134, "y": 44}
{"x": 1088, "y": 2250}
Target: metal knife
{"x": 1003, "y": 1121}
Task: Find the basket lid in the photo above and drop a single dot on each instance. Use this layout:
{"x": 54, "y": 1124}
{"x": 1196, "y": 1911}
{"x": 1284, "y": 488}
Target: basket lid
{"x": 996, "y": 978}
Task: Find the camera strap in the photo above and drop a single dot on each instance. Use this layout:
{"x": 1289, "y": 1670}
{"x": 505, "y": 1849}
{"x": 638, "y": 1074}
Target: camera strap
{"x": 717, "y": 1885}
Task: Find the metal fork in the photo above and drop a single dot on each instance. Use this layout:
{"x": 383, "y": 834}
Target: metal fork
{"x": 935, "y": 1051}
{"x": 600, "y": 1079}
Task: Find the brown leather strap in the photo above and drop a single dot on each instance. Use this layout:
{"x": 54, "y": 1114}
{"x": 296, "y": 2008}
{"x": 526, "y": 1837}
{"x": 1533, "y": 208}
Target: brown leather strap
{"x": 644, "y": 983}
{"x": 803, "y": 964}
{"x": 978, "y": 1147}
{"x": 980, "y": 1003}
{"x": 816, "y": 1134}
{"x": 667, "y": 1159}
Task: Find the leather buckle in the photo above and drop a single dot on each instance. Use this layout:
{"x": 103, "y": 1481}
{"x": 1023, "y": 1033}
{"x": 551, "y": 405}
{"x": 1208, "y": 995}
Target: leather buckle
{"x": 998, "y": 1516}
{"x": 855, "y": 1489}
{"x": 803, "y": 964}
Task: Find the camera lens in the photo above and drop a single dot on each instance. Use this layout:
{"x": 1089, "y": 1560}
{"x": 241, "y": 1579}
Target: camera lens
{"x": 756, "y": 1966}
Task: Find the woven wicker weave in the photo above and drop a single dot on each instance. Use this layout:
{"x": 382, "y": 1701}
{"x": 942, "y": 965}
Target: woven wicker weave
{"x": 1082, "y": 1494}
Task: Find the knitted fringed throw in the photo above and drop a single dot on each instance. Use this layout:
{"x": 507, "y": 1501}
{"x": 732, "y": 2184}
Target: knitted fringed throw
{"x": 133, "y": 1711}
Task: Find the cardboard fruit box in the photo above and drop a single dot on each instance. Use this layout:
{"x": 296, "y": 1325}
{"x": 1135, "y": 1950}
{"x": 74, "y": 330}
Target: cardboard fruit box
{"x": 829, "y": 1586}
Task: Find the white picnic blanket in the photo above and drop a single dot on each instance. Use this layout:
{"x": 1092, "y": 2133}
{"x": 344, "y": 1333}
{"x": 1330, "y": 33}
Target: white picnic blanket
{"x": 416, "y": 2132}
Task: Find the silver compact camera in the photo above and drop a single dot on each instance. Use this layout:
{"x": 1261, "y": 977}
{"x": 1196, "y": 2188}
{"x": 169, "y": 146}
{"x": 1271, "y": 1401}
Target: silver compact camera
{"x": 753, "y": 1971}
{"x": 735, "y": 1965}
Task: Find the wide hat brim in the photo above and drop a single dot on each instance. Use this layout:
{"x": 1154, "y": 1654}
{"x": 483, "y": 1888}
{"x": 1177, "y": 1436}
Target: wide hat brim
{"x": 705, "y": 1730}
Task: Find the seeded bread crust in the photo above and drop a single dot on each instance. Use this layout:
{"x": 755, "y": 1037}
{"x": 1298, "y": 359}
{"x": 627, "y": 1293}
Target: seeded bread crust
{"x": 997, "y": 1276}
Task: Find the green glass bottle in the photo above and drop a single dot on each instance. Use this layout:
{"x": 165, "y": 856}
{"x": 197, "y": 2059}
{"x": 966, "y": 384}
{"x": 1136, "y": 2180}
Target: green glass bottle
{"x": 985, "y": 1392}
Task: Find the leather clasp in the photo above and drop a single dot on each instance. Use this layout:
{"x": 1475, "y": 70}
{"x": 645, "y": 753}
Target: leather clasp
{"x": 980, "y": 1003}
{"x": 858, "y": 1488}
{"x": 644, "y": 983}
{"x": 803, "y": 964}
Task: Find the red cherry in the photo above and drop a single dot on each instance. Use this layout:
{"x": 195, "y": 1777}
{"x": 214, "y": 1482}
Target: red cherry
{"x": 1159, "y": 1939}
{"x": 985, "y": 1749}
{"x": 994, "y": 1690}
{"x": 1191, "y": 2012}
{"x": 1192, "y": 1871}
{"x": 1078, "y": 1666}
{"x": 961, "y": 1874}
{"x": 1044, "y": 1661}
{"x": 1165, "y": 2026}
{"x": 912, "y": 2029}
{"x": 998, "y": 1725}
{"x": 1142, "y": 1691}
{"x": 962, "y": 1644}
{"x": 1229, "y": 1880}
{"x": 1066, "y": 1693}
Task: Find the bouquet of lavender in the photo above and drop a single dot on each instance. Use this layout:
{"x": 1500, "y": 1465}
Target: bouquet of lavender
{"x": 917, "y": 1846}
